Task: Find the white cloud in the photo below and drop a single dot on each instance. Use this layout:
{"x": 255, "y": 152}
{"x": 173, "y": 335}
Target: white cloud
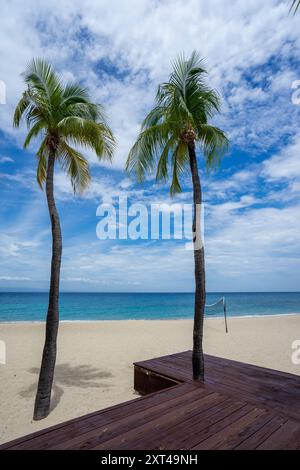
{"x": 136, "y": 40}
{"x": 285, "y": 165}
{"x": 6, "y": 160}
{"x": 232, "y": 39}
{"x": 255, "y": 249}
{"x": 102, "y": 189}
{"x": 230, "y": 185}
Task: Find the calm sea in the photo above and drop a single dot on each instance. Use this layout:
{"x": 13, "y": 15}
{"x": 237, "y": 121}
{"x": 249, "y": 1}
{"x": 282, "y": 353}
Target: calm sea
{"x": 81, "y": 306}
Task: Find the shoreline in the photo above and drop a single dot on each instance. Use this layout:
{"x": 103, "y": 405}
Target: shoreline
{"x": 207, "y": 317}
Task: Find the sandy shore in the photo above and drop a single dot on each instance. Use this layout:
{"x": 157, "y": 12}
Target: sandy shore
{"x": 94, "y": 366}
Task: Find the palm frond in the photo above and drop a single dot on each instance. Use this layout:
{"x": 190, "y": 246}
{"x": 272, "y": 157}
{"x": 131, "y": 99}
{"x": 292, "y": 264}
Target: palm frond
{"x": 214, "y": 144}
{"x": 184, "y": 105}
{"x": 64, "y": 115}
{"x": 149, "y": 145}
{"x": 154, "y": 117}
{"x": 175, "y": 187}
{"x": 42, "y": 155}
{"x": 294, "y": 6}
{"x": 21, "y": 108}
{"x": 75, "y": 165}
{"x": 74, "y": 93}
{"x": 35, "y": 130}
{"x": 89, "y": 134}
{"x": 187, "y": 71}
{"x": 41, "y": 76}
{"x": 179, "y": 162}
{"x": 163, "y": 162}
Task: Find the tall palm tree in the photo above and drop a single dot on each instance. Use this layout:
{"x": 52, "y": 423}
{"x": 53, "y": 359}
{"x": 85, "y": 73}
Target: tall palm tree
{"x": 61, "y": 116}
{"x": 295, "y": 5}
{"x": 169, "y": 136}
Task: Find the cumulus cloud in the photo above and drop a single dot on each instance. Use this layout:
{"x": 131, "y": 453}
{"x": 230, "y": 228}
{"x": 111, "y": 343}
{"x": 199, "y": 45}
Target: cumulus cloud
{"x": 286, "y": 164}
{"x": 122, "y": 63}
{"x": 121, "y": 51}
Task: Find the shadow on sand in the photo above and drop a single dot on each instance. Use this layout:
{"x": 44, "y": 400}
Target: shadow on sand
{"x": 82, "y": 376}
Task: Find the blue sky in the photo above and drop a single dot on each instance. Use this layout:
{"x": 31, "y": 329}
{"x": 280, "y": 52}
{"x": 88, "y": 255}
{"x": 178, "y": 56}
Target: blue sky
{"x": 121, "y": 51}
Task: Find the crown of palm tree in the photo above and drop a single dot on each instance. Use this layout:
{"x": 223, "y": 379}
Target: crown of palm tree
{"x": 183, "y": 108}
{"x": 64, "y": 118}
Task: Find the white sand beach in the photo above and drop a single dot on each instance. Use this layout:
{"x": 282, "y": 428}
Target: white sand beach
{"x": 94, "y": 366}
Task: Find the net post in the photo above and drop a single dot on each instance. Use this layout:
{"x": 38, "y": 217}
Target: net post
{"x": 225, "y": 314}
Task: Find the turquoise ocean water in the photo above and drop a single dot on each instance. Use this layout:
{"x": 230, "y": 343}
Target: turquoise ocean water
{"x": 83, "y": 306}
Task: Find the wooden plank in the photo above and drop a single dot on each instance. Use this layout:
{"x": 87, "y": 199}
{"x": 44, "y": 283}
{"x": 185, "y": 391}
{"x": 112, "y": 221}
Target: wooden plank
{"x": 91, "y": 421}
{"x": 286, "y": 437}
{"x": 168, "y": 369}
{"x": 200, "y": 441}
{"x": 239, "y": 406}
{"x": 143, "y": 431}
{"x": 260, "y": 435}
{"x": 232, "y": 430}
{"x": 214, "y": 363}
{"x": 265, "y": 387}
{"x": 231, "y": 441}
{"x": 173, "y": 435}
{"x": 123, "y": 425}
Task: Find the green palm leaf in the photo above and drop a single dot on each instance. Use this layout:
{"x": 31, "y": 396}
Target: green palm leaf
{"x": 64, "y": 115}
{"x": 183, "y": 104}
{"x": 41, "y": 172}
{"x": 75, "y": 165}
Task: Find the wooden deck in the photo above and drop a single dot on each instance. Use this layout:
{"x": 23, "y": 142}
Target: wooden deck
{"x": 238, "y": 407}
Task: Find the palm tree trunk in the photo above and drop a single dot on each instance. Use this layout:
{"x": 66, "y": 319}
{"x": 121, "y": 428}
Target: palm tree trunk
{"x": 43, "y": 395}
{"x": 200, "y": 294}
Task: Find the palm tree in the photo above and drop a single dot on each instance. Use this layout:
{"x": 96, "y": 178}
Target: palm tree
{"x": 295, "y": 5}
{"x": 168, "y": 139}
{"x": 61, "y": 116}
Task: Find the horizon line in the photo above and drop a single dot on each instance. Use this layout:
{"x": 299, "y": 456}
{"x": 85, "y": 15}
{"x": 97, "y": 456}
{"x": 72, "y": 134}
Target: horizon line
{"x": 141, "y": 293}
